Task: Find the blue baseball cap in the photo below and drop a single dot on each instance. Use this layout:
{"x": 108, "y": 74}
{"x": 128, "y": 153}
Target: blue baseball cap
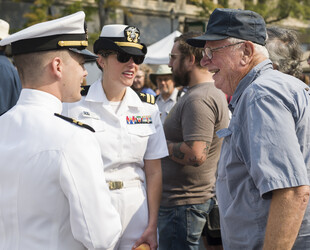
{"x": 225, "y": 23}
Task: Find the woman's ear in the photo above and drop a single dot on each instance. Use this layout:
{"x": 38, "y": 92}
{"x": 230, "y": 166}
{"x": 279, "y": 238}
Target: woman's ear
{"x": 248, "y": 52}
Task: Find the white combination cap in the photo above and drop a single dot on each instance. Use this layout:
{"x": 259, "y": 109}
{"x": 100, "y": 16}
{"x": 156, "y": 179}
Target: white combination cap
{"x": 121, "y": 38}
{"x": 4, "y": 29}
{"x": 68, "y": 32}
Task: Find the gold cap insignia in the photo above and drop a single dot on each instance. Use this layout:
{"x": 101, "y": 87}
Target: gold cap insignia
{"x": 132, "y": 34}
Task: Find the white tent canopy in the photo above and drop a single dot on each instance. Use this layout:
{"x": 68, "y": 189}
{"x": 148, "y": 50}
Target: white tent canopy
{"x": 158, "y": 53}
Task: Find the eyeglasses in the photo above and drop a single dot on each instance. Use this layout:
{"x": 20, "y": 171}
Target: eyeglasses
{"x": 124, "y": 57}
{"x": 209, "y": 52}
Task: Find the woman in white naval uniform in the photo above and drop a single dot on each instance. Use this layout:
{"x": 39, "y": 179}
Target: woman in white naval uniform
{"x": 130, "y": 134}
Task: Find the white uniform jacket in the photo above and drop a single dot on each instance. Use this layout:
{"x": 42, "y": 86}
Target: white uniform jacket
{"x": 127, "y": 138}
{"x": 53, "y": 193}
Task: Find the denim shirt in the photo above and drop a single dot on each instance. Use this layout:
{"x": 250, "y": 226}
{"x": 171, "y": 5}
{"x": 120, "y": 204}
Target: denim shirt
{"x": 10, "y": 85}
{"x": 265, "y": 147}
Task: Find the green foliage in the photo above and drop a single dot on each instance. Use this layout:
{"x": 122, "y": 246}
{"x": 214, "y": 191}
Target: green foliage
{"x": 79, "y": 6}
{"x": 207, "y": 6}
{"x": 39, "y": 12}
{"x": 274, "y": 11}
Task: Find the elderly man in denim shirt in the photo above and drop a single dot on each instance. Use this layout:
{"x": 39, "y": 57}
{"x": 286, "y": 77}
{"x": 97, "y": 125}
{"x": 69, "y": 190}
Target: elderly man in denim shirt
{"x": 264, "y": 168}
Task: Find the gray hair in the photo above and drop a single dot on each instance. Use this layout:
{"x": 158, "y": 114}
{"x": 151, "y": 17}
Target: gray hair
{"x": 259, "y": 48}
{"x": 285, "y": 51}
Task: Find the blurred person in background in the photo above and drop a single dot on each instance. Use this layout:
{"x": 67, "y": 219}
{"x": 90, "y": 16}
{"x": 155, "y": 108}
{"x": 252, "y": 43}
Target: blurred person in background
{"x": 142, "y": 83}
{"x": 284, "y": 50}
{"x": 10, "y": 85}
{"x": 168, "y": 94}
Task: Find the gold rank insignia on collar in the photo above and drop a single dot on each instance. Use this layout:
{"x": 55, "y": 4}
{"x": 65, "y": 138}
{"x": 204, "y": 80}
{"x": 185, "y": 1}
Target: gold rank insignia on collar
{"x": 68, "y": 119}
{"x": 147, "y": 98}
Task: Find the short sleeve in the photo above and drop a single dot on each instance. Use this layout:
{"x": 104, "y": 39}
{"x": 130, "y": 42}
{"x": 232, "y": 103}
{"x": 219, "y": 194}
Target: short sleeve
{"x": 274, "y": 157}
{"x": 157, "y": 145}
{"x": 198, "y": 121}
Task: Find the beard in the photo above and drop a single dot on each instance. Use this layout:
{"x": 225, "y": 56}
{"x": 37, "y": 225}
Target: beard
{"x": 181, "y": 76}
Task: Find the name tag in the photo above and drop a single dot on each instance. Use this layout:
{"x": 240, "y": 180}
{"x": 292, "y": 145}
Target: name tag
{"x": 88, "y": 114}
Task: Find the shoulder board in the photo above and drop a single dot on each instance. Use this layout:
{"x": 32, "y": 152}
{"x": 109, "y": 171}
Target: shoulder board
{"x": 84, "y": 90}
{"x": 147, "y": 98}
{"x": 68, "y": 119}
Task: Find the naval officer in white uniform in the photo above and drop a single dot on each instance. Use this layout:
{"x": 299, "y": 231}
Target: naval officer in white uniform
{"x": 53, "y": 193}
{"x": 129, "y": 132}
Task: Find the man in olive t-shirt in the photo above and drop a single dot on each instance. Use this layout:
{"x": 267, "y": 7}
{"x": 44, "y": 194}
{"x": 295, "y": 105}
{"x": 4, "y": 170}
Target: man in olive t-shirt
{"x": 190, "y": 170}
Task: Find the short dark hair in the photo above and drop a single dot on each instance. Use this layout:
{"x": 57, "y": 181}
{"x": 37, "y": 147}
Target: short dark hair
{"x": 188, "y": 50}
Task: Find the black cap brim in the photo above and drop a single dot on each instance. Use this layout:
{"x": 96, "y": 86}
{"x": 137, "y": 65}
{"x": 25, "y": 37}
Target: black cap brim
{"x": 107, "y": 44}
{"x": 200, "y": 41}
{"x": 88, "y": 56}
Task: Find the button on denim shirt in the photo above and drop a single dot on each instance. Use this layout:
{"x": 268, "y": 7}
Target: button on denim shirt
{"x": 265, "y": 147}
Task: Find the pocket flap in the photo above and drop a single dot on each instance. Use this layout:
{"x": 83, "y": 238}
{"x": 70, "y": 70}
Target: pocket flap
{"x": 141, "y": 129}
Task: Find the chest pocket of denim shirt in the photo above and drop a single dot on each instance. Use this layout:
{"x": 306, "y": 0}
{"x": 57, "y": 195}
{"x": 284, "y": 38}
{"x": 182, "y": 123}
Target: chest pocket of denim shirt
{"x": 139, "y": 135}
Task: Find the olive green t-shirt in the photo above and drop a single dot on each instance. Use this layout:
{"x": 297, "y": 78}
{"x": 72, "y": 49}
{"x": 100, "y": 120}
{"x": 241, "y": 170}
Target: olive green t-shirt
{"x": 197, "y": 116}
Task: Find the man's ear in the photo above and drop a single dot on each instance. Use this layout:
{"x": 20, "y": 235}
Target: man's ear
{"x": 248, "y": 52}
{"x": 100, "y": 61}
{"x": 192, "y": 59}
{"x": 57, "y": 67}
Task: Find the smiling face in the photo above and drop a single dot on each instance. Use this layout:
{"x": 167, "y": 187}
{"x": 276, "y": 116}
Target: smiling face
{"x": 118, "y": 74}
{"x": 225, "y": 64}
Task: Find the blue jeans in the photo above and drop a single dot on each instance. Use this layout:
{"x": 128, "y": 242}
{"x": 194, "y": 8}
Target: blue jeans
{"x": 180, "y": 227}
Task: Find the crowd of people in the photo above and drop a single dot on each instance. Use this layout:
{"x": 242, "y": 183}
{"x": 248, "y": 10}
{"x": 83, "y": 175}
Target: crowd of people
{"x": 141, "y": 159}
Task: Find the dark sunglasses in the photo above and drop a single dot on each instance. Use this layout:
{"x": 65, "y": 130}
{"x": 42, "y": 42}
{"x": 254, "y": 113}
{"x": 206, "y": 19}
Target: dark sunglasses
{"x": 124, "y": 57}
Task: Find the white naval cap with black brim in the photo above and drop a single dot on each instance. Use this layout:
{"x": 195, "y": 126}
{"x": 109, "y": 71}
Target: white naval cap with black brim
{"x": 68, "y": 32}
{"x": 121, "y": 38}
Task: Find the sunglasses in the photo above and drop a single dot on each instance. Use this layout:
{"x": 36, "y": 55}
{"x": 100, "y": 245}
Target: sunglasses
{"x": 124, "y": 57}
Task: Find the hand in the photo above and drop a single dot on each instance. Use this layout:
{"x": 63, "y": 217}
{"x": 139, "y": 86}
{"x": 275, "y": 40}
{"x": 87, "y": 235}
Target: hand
{"x": 149, "y": 237}
{"x": 143, "y": 246}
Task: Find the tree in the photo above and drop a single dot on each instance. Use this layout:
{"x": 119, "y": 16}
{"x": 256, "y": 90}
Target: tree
{"x": 107, "y": 10}
{"x": 40, "y": 11}
{"x": 275, "y": 11}
{"x": 207, "y": 6}
{"x": 271, "y": 11}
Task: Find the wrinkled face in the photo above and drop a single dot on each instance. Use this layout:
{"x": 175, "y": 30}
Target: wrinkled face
{"x": 73, "y": 76}
{"x": 117, "y": 73}
{"x": 165, "y": 84}
{"x": 225, "y": 64}
{"x": 138, "y": 82}
{"x": 180, "y": 72}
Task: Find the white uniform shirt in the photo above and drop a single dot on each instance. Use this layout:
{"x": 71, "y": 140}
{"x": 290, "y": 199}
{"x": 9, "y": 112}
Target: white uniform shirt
{"x": 165, "y": 106}
{"x": 53, "y": 193}
{"x": 124, "y": 142}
